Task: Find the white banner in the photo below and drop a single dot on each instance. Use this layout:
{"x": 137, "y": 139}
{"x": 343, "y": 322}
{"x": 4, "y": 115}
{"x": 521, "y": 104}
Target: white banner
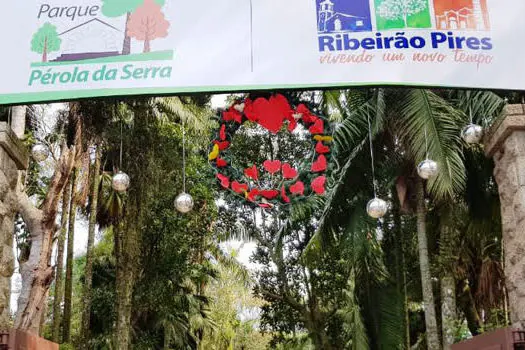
{"x": 63, "y": 49}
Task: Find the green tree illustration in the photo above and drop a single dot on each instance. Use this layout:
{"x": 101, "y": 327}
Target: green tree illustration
{"x": 46, "y": 40}
{"x": 401, "y": 9}
{"x": 117, "y": 8}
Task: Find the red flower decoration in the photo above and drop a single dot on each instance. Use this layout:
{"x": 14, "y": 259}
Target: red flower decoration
{"x": 232, "y": 115}
{"x": 285, "y": 198}
{"x": 252, "y": 173}
{"x": 318, "y": 184}
{"x": 253, "y": 194}
{"x": 269, "y": 194}
{"x": 239, "y": 188}
{"x": 225, "y": 180}
{"x": 222, "y": 144}
{"x": 321, "y": 148}
{"x": 272, "y": 166}
{"x": 317, "y": 128}
{"x": 297, "y": 188}
{"x": 289, "y": 172}
{"x": 222, "y": 133}
{"x": 292, "y": 124}
{"x": 221, "y": 163}
{"x": 320, "y": 164}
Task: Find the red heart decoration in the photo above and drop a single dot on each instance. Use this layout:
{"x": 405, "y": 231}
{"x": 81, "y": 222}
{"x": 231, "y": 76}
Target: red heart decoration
{"x": 222, "y": 144}
{"x": 221, "y": 163}
{"x": 269, "y": 194}
{"x": 252, "y": 195}
{"x": 281, "y": 105}
{"x": 222, "y": 133}
{"x": 289, "y": 172}
{"x": 319, "y": 165}
{"x": 318, "y": 127}
{"x": 232, "y": 115}
{"x": 272, "y": 166}
{"x": 318, "y": 184}
{"x": 239, "y": 188}
{"x": 249, "y": 110}
{"x": 267, "y": 115}
{"x": 225, "y": 181}
{"x": 321, "y": 148}
{"x": 252, "y": 173}
{"x": 285, "y": 198}
{"x": 297, "y": 188}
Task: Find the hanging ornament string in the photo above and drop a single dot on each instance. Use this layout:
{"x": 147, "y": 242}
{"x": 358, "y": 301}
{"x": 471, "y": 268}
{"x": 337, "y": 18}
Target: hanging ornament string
{"x": 426, "y": 143}
{"x": 121, "y": 144}
{"x": 183, "y": 158}
{"x": 372, "y": 154}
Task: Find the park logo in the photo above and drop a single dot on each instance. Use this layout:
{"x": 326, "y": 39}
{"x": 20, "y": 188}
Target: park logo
{"x": 90, "y": 35}
{"x": 113, "y": 35}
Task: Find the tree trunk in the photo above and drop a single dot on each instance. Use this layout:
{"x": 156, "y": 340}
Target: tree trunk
{"x": 401, "y": 271}
{"x": 44, "y": 53}
{"x": 126, "y": 47}
{"x": 86, "y": 313}
{"x": 448, "y": 254}
{"x": 448, "y": 311}
{"x": 424, "y": 264}
{"x": 59, "y": 283}
{"x": 37, "y": 272}
{"x": 147, "y": 45}
{"x": 126, "y": 256}
{"x": 68, "y": 294}
{"x": 18, "y": 120}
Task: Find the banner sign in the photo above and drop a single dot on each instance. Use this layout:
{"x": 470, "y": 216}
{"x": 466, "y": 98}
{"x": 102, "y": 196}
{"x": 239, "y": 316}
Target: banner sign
{"x": 63, "y": 49}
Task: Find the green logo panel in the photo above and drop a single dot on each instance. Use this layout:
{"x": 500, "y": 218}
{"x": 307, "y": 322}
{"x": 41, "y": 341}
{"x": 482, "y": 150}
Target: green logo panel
{"x": 400, "y": 14}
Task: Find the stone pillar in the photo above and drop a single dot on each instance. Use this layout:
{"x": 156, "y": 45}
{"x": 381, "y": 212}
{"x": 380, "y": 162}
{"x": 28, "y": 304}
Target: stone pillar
{"x": 13, "y": 158}
{"x": 505, "y": 142}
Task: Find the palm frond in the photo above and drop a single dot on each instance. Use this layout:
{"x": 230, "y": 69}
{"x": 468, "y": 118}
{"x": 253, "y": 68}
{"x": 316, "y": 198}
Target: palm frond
{"x": 429, "y": 125}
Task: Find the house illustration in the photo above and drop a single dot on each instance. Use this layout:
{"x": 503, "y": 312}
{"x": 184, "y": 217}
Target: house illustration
{"x": 350, "y": 16}
{"x": 92, "y": 39}
{"x": 461, "y": 15}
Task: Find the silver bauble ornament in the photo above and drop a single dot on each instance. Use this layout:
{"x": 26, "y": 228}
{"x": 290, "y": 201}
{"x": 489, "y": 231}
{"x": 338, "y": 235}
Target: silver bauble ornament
{"x": 39, "y": 152}
{"x": 472, "y": 133}
{"x": 377, "y": 208}
{"x": 184, "y": 203}
{"x": 120, "y": 182}
{"x": 427, "y": 169}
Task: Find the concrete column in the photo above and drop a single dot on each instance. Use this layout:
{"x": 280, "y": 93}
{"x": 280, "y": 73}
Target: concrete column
{"x": 505, "y": 142}
{"x": 13, "y": 158}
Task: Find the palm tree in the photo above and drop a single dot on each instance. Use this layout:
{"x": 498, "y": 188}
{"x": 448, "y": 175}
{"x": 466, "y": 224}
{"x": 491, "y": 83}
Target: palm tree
{"x": 411, "y": 124}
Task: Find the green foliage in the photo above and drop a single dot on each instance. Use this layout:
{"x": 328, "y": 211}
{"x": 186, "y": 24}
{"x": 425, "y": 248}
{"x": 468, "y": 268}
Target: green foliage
{"x": 46, "y": 39}
{"x": 117, "y": 8}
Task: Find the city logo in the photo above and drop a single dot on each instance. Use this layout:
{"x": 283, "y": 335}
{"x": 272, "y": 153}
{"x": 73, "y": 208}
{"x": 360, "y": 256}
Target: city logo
{"x": 462, "y": 15}
{"x": 400, "y": 14}
{"x": 336, "y": 16}
{"x": 340, "y": 21}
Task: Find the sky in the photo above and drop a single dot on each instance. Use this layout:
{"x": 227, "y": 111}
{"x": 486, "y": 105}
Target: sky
{"x": 244, "y": 249}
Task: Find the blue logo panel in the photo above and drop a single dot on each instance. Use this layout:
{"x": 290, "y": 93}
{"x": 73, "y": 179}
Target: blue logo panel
{"x": 343, "y": 16}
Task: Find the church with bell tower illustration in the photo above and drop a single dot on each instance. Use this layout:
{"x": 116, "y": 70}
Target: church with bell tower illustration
{"x": 340, "y": 16}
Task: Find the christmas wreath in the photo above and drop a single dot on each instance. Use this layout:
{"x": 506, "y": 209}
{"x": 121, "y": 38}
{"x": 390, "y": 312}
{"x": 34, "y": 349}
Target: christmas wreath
{"x": 274, "y": 182}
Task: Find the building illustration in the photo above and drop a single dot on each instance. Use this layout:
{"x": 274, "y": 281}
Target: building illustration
{"x": 92, "y": 39}
{"x": 461, "y": 15}
{"x": 343, "y": 16}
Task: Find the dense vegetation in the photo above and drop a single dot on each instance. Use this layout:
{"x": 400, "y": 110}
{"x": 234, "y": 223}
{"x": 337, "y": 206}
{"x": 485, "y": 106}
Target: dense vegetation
{"x": 324, "y": 275}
